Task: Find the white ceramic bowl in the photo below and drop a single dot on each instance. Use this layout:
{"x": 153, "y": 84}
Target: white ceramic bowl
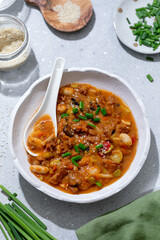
{"x": 32, "y": 99}
{"x": 122, "y": 27}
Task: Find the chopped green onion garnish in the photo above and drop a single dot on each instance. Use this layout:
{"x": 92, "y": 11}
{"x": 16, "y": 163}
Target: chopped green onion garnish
{"x": 98, "y": 184}
{"x": 150, "y": 78}
{"x": 155, "y": 2}
{"x": 76, "y": 148}
{"x": 145, "y": 33}
{"x": 136, "y": 39}
{"x": 89, "y": 115}
{"x": 64, "y": 115}
{"x": 158, "y": 20}
{"x": 66, "y": 154}
{"x": 75, "y": 110}
{"x": 128, "y": 21}
{"x": 103, "y": 110}
{"x": 150, "y": 59}
{"x": 96, "y": 119}
{"x": 91, "y": 125}
{"x": 81, "y": 105}
{"x": 76, "y": 158}
{"x": 99, "y": 146}
{"x": 76, "y": 120}
{"x": 75, "y": 163}
{"x": 146, "y": 43}
{"x": 82, "y": 117}
{"x": 97, "y": 111}
{"x": 82, "y": 146}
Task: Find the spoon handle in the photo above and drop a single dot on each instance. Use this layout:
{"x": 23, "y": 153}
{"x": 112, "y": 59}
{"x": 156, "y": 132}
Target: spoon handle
{"x": 50, "y": 100}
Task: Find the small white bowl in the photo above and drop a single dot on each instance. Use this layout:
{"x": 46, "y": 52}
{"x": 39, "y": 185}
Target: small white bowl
{"x": 122, "y": 27}
{"x": 32, "y": 99}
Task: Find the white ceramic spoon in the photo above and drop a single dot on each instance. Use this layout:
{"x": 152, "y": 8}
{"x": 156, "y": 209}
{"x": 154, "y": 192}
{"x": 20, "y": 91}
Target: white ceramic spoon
{"x": 49, "y": 102}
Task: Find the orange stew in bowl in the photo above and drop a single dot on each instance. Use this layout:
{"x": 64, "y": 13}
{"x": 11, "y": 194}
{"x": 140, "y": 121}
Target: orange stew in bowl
{"x": 95, "y": 145}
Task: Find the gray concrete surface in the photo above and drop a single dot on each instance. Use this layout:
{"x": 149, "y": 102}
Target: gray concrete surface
{"x": 94, "y": 46}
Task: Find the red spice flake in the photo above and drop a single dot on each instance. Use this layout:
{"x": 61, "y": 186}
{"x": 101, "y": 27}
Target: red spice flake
{"x": 106, "y": 145}
{"x": 135, "y": 44}
{"x": 133, "y": 140}
{"x": 120, "y": 10}
{"x": 54, "y": 168}
{"x": 70, "y": 167}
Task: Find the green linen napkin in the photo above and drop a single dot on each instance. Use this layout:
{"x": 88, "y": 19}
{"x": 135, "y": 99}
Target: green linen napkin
{"x": 139, "y": 220}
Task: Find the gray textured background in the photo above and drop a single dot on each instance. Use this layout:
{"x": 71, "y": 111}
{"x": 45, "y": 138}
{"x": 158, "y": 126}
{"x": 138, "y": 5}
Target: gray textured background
{"x": 94, "y": 46}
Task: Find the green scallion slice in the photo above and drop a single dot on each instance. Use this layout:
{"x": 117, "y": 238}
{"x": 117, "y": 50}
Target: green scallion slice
{"x": 81, "y": 105}
{"x": 76, "y": 148}
{"x": 103, "y": 110}
{"x": 89, "y": 115}
{"x": 76, "y": 120}
{"x": 82, "y": 146}
{"x": 91, "y": 125}
{"x": 97, "y": 111}
{"x": 75, "y": 163}
{"x": 128, "y": 21}
{"x": 75, "y": 110}
{"x": 66, "y": 154}
{"x": 82, "y": 117}
{"x": 98, "y": 184}
{"x": 96, "y": 119}
{"x": 64, "y": 115}
{"x": 76, "y": 158}
{"x": 150, "y": 78}
{"x": 146, "y": 43}
{"x": 136, "y": 39}
{"x": 14, "y": 194}
{"x": 149, "y": 59}
{"x": 144, "y": 35}
{"x": 158, "y": 20}
{"x": 99, "y": 146}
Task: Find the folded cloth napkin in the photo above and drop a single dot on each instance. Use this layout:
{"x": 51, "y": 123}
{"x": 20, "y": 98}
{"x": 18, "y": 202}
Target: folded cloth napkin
{"x": 139, "y": 220}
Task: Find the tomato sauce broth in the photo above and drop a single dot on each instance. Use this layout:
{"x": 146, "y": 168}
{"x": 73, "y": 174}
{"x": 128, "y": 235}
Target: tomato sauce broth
{"x": 95, "y": 145}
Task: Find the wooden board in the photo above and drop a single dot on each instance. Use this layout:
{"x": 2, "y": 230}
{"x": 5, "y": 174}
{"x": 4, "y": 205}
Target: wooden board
{"x": 52, "y": 17}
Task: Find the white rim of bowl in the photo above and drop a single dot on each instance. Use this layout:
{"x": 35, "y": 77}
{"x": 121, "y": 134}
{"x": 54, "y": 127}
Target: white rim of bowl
{"x": 97, "y": 197}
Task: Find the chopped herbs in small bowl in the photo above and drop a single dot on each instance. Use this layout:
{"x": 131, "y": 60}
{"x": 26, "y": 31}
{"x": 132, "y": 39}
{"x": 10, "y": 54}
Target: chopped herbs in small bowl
{"x": 137, "y": 25}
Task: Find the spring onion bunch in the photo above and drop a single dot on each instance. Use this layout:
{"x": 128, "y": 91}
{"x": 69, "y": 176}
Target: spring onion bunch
{"x": 19, "y": 222}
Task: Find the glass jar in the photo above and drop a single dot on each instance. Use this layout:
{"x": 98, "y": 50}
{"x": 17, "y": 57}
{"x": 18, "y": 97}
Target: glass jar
{"x": 14, "y": 59}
